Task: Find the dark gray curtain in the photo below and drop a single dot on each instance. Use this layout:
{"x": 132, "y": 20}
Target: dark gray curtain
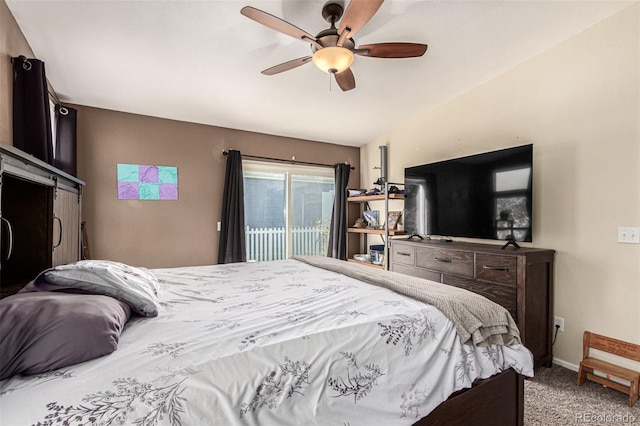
{"x": 232, "y": 247}
{"x": 65, "y": 158}
{"x": 338, "y": 230}
{"x": 31, "y": 115}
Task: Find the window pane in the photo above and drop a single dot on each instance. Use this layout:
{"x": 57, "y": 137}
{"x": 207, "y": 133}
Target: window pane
{"x": 275, "y": 231}
{"x": 264, "y": 209}
{"x": 310, "y": 216}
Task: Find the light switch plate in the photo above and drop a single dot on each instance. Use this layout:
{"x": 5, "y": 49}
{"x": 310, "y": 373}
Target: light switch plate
{"x": 629, "y": 235}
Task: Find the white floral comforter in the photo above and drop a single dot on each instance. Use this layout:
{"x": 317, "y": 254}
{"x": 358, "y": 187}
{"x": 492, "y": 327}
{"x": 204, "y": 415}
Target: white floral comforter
{"x": 271, "y": 343}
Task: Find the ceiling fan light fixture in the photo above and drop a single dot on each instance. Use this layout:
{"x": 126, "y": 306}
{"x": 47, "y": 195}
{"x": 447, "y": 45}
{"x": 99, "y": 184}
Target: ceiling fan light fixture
{"x": 333, "y": 59}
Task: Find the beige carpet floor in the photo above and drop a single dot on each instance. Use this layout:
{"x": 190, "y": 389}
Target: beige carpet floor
{"x": 552, "y": 398}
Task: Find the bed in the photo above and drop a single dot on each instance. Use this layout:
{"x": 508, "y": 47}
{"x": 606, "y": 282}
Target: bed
{"x": 308, "y": 340}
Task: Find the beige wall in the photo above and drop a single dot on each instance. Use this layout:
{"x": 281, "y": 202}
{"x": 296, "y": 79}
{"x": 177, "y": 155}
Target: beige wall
{"x": 170, "y": 233}
{"x": 579, "y": 104}
{"x": 12, "y": 44}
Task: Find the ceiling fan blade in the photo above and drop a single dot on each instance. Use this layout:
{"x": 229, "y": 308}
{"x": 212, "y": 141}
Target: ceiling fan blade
{"x": 276, "y": 23}
{"x": 358, "y": 13}
{"x": 346, "y": 80}
{"x": 392, "y": 50}
{"x": 286, "y": 66}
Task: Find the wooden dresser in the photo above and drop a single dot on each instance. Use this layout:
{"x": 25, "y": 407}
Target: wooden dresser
{"x": 521, "y": 280}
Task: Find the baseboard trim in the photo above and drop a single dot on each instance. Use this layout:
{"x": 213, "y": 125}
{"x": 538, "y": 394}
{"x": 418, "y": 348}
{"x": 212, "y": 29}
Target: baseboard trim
{"x": 565, "y": 364}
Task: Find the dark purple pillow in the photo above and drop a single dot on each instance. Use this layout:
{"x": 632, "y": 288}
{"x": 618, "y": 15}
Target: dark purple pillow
{"x": 42, "y": 331}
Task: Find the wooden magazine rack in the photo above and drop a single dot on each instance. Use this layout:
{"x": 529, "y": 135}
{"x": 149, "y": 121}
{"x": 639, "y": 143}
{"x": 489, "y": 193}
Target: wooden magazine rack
{"x": 615, "y": 347}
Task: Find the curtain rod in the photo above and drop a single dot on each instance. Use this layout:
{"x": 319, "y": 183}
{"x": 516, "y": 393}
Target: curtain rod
{"x": 292, "y": 161}
{"x": 53, "y": 96}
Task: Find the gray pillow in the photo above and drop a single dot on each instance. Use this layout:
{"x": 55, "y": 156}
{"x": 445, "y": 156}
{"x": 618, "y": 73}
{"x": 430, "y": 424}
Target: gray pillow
{"x": 136, "y": 286}
{"x": 43, "y": 331}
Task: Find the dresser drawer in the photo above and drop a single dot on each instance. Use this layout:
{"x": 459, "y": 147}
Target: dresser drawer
{"x": 458, "y": 262}
{"x": 417, "y": 272}
{"x": 503, "y": 295}
{"x": 499, "y": 269}
{"x": 403, "y": 253}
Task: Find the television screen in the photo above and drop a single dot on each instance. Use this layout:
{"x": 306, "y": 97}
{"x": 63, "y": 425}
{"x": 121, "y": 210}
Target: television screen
{"x": 485, "y": 196}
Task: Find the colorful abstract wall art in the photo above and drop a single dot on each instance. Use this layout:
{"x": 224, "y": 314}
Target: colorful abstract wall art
{"x": 140, "y": 182}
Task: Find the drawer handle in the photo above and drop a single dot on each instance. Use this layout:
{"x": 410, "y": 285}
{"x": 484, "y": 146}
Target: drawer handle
{"x": 9, "y": 238}
{"x": 404, "y": 254}
{"x": 60, "y": 236}
{"x": 495, "y": 268}
{"x": 443, "y": 259}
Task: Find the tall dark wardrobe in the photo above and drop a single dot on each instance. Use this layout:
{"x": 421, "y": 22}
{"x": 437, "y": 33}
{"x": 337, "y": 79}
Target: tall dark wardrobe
{"x": 39, "y": 218}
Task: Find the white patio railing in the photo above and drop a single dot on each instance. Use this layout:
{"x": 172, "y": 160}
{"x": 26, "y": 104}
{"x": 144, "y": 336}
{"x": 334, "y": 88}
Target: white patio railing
{"x": 270, "y": 243}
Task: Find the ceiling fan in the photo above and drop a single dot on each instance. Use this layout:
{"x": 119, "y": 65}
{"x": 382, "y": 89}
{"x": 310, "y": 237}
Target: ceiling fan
{"x": 333, "y": 49}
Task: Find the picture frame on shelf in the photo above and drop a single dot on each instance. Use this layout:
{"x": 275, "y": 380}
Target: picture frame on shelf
{"x": 371, "y": 218}
{"x": 392, "y": 220}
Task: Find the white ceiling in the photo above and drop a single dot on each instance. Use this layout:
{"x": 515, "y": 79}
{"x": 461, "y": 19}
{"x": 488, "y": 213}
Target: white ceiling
{"x": 200, "y": 61}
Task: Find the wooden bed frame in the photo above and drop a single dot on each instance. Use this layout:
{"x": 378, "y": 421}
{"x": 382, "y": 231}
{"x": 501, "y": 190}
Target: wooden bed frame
{"x": 498, "y": 400}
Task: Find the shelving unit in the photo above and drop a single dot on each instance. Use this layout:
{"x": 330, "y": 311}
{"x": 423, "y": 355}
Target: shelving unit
{"x": 375, "y": 231}
{"x": 384, "y": 233}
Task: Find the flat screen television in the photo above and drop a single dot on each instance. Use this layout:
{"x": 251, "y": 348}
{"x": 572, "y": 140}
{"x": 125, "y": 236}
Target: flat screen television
{"x": 486, "y": 196}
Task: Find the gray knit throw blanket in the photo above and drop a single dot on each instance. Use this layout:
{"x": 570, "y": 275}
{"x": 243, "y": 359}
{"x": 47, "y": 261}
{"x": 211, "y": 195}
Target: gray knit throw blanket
{"x": 478, "y": 320}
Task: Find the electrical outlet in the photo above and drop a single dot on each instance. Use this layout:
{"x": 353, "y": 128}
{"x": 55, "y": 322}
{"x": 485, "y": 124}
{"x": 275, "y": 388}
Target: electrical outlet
{"x": 558, "y": 322}
{"x": 629, "y": 235}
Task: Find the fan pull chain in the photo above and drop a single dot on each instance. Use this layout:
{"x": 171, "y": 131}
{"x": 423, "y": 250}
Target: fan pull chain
{"x": 329, "y": 74}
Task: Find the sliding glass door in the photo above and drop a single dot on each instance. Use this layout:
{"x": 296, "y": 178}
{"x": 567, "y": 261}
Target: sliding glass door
{"x": 287, "y": 209}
